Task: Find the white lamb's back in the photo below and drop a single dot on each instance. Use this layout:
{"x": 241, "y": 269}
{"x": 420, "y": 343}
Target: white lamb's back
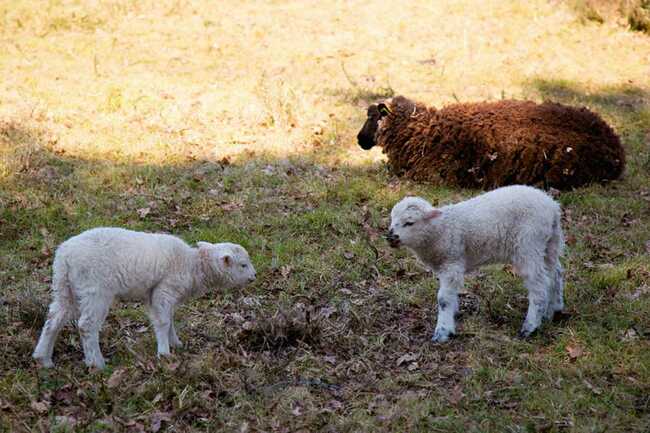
{"x": 119, "y": 258}
{"x": 494, "y": 224}
{"x": 506, "y": 200}
{"x": 506, "y": 208}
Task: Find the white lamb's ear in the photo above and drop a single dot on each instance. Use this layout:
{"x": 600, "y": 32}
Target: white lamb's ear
{"x": 204, "y": 249}
{"x": 227, "y": 260}
{"x": 434, "y": 213}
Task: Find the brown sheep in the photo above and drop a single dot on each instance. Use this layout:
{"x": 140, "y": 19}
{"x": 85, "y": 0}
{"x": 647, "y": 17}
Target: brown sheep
{"x": 491, "y": 144}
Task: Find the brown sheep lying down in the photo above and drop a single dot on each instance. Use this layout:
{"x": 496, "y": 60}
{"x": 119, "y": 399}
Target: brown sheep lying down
{"x": 491, "y": 144}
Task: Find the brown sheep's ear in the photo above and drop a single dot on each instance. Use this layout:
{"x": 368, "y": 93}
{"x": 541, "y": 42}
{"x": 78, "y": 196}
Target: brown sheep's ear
{"x": 383, "y": 110}
{"x": 435, "y": 213}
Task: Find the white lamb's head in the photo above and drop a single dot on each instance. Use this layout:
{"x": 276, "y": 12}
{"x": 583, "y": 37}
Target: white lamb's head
{"x": 408, "y": 221}
{"x": 229, "y": 262}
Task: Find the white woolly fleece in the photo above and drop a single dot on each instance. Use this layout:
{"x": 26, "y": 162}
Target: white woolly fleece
{"x": 93, "y": 268}
{"x": 514, "y": 224}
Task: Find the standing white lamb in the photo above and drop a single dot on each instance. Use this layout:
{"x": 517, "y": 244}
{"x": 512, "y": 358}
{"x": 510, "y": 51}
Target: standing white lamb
{"x": 517, "y": 224}
{"x": 93, "y": 268}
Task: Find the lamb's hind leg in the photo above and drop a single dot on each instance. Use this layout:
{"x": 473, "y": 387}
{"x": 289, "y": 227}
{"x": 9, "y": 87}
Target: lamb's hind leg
{"x": 56, "y": 318}
{"x": 451, "y": 281}
{"x": 537, "y": 281}
{"x": 554, "y": 249}
{"x": 556, "y": 302}
{"x": 93, "y": 311}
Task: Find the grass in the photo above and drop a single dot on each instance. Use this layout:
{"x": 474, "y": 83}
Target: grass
{"x": 238, "y": 123}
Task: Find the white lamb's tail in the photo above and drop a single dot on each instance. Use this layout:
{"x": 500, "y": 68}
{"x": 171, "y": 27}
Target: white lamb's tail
{"x": 554, "y": 250}
{"x": 61, "y": 310}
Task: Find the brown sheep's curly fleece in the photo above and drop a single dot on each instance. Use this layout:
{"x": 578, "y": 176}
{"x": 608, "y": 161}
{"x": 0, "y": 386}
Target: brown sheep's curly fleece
{"x": 490, "y": 144}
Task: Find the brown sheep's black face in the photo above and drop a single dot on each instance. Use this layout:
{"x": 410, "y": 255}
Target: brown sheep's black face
{"x": 366, "y": 137}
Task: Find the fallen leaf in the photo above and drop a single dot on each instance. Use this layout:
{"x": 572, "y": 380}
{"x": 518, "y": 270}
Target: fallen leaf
{"x": 348, "y": 255}
{"x": 591, "y": 387}
{"x": 116, "y": 378}
{"x": 173, "y": 366}
{"x": 630, "y": 335}
{"x": 231, "y": 206}
{"x": 372, "y": 232}
{"x": 143, "y": 212}
{"x": 574, "y": 352}
{"x": 413, "y": 366}
{"x": 296, "y": 411}
{"x": 326, "y": 312}
{"x": 40, "y": 406}
{"x": 456, "y": 394}
{"x": 407, "y": 358}
{"x": 335, "y": 404}
{"x": 330, "y": 359}
{"x": 64, "y": 395}
{"x": 157, "y": 418}
{"x": 64, "y": 421}
{"x": 157, "y": 398}
{"x": 285, "y": 270}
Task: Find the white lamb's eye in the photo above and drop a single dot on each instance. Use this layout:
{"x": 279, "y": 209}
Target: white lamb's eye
{"x": 244, "y": 265}
{"x": 409, "y": 223}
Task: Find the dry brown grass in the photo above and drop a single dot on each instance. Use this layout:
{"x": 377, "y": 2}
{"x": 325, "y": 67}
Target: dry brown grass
{"x": 158, "y": 81}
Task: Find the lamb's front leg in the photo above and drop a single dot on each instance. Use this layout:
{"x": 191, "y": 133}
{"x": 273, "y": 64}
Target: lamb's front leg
{"x": 160, "y": 313}
{"x": 174, "y": 341}
{"x": 451, "y": 280}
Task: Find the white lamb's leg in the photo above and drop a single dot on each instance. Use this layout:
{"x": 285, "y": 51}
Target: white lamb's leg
{"x": 160, "y": 313}
{"x": 174, "y": 341}
{"x": 56, "y": 318}
{"x": 555, "y": 271}
{"x": 556, "y": 302}
{"x": 538, "y": 283}
{"x": 451, "y": 280}
{"x": 93, "y": 308}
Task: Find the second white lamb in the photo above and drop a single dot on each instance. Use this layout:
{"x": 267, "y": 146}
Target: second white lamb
{"x": 519, "y": 225}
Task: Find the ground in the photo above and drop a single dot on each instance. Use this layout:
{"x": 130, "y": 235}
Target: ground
{"x": 236, "y": 121}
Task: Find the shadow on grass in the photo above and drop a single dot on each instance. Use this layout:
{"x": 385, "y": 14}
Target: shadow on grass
{"x": 626, "y": 105}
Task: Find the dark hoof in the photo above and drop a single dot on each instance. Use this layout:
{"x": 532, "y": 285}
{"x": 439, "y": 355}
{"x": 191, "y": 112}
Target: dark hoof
{"x": 524, "y": 334}
{"x": 561, "y": 316}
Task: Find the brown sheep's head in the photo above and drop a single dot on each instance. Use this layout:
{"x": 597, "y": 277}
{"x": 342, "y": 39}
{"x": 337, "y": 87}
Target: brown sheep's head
{"x": 366, "y": 137}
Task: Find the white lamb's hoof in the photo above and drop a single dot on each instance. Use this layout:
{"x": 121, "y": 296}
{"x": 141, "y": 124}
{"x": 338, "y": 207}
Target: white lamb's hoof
{"x": 526, "y": 332}
{"x": 442, "y": 335}
{"x": 45, "y": 362}
{"x": 99, "y": 364}
{"x": 177, "y": 344}
{"x": 164, "y": 354}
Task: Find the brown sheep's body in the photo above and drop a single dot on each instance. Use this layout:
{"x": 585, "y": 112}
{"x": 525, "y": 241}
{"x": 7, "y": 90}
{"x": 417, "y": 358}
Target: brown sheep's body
{"x": 491, "y": 144}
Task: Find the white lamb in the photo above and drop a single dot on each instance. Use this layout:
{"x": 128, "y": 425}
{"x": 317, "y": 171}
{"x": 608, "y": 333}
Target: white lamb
{"x": 517, "y": 224}
{"x": 91, "y": 269}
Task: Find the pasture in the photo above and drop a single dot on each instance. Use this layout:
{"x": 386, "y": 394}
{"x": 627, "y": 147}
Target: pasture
{"x": 237, "y": 121}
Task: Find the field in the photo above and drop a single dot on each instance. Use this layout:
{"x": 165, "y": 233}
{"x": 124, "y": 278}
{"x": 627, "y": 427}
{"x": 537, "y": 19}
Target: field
{"x": 237, "y": 121}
